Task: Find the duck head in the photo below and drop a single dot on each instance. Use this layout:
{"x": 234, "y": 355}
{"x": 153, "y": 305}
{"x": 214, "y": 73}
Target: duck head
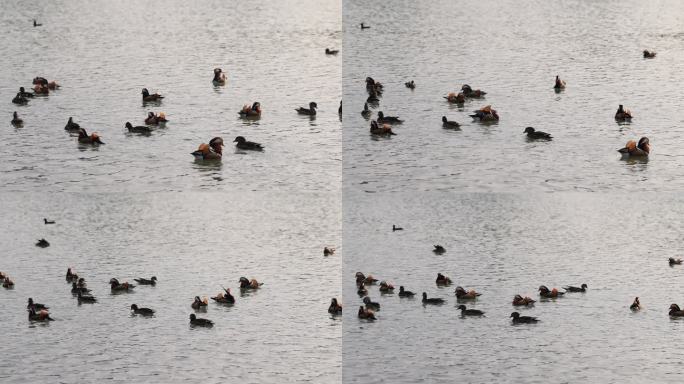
{"x": 154, "y": 278}
{"x": 216, "y": 144}
{"x": 543, "y": 288}
{"x": 333, "y": 302}
{"x": 313, "y": 105}
{"x": 673, "y": 307}
{"x": 644, "y": 144}
{"x": 461, "y": 307}
{"x": 134, "y": 307}
{"x": 515, "y": 315}
{"x": 529, "y": 130}
{"x": 381, "y": 115}
{"x": 621, "y": 109}
{"x": 114, "y": 280}
{"x": 239, "y": 140}
{"x": 424, "y": 296}
{"x": 145, "y": 92}
{"x": 584, "y": 286}
{"x": 193, "y": 317}
{"x": 243, "y": 282}
{"x": 15, "y": 115}
{"x": 128, "y": 124}
{"x": 366, "y": 300}
{"x": 365, "y": 107}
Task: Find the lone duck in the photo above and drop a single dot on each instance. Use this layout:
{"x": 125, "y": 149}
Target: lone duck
{"x": 395, "y": 228}
{"x": 76, "y": 289}
{"x": 328, "y": 251}
{"x": 144, "y": 281}
{"x": 198, "y": 304}
{"x": 634, "y": 149}
{"x": 329, "y": 51}
{"x": 366, "y": 314}
{"x": 382, "y": 119}
{"x": 517, "y": 319}
{"x": 366, "y": 112}
{"x": 84, "y": 138}
{"x": 560, "y": 84}
{"x": 363, "y": 26}
{"x": 137, "y": 128}
{"x": 42, "y": 243}
{"x": 455, "y": 98}
{"x": 675, "y": 311}
{"x": 536, "y": 135}
{"x": 570, "y": 288}
{"x": 141, "y": 311}
{"x": 249, "y": 284}
{"x": 432, "y": 300}
{"x": 84, "y": 298}
{"x": 242, "y": 143}
{"x": 519, "y": 301}
{"x": 20, "y": 99}
{"x": 544, "y": 292}
{"x": 410, "y": 84}
{"x": 71, "y": 126}
{"x": 335, "y": 308}
{"x": 623, "y": 114}
{"x": 649, "y": 54}
{"x": 153, "y": 97}
{"x": 404, "y": 293}
{"x": 469, "y": 92}
{"x": 41, "y": 315}
{"x": 224, "y": 297}
{"x": 439, "y": 249}
{"x": 7, "y": 282}
{"x": 35, "y": 306}
{"x": 486, "y": 114}
{"x": 636, "y": 305}
{"x": 16, "y": 121}
{"x": 442, "y": 280}
{"x": 311, "y": 111}
{"x": 674, "y": 261}
{"x": 469, "y": 312}
{"x": 386, "y": 287}
{"x": 36, "y": 24}
{"x": 219, "y": 77}
{"x": 211, "y": 151}
{"x": 46, "y": 221}
{"x": 371, "y": 304}
{"x": 251, "y": 112}
{"x": 462, "y": 294}
{"x": 385, "y": 130}
{"x": 449, "y": 124}
{"x": 200, "y": 322}
{"x": 120, "y": 287}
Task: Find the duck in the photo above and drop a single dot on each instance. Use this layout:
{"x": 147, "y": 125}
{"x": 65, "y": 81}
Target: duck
{"x": 311, "y": 111}
{"x": 485, "y": 114}
{"x": 469, "y": 312}
{"x": 366, "y": 112}
{"x": 36, "y": 24}
{"x": 455, "y": 98}
{"x": 636, "y": 305}
{"x": 449, "y": 124}
{"x": 634, "y": 149}
{"x": 570, "y": 288}
{"x": 249, "y": 284}
{"x": 469, "y": 92}
{"x": 141, "y": 311}
{"x": 20, "y": 100}
{"x": 199, "y": 304}
{"x": 361, "y": 278}
{"x": 24, "y": 93}
{"x": 518, "y": 300}
{"x": 137, "y": 128}
{"x": 385, "y": 130}
{"x": 242, "y": 143}
{"x": 72, "y": 126}
{"x": 335, "y": 308}
{"x": 152, "y": 119}
{"x": 536, "y": 135}
{"x": 395, "y": 228}
{"x": 649, "y": 54}
{"x": 560, "y": 84}
{"x": 7, "y": 282}
{"x": 462, "y": 294}
{"x": 76, "y": 289}
{"x": 371, "y": 304}
{"x": 85, "y": 298}
{"x": 47, "y": 222}
{"x": 2, "y": 275}
{"x": 361, "y": 290}
{"x": 329, "y": 51}
{"x": 146, "y": 96}
{"x": 439, "y": 249}
{"x": 405, "y": 293}
{"x": 382, "y": 119}
{"x": 517, "y": 319}
{"x": 623, "y": 114}
{"x": 71, "y": 275}
{"x": 363, "y": 26}
{"x": 211, "y": 151}
{"x": 41, "y": 315}
{"x": 251, "y": 112}
{"x": 328, "y": 251}
{"x": 442, "y": 280}
{"x": 81, "y": 282}
{"x": 42, "y": 243}
{"x": 675, "y": 311}
{"x": 219, "y": 77}
{"x": 84, "y": 138}
{"x": 386, "y": 287}
{"x": 35, "y": 306}
{"x": 366, "y": 314}
{"x": 16, "y": 121}
{"x": 432, "y": 300}
{"x": 143, "y": 281}
{"x": 224, "y": 297}
{"x": 674, "y": 261}
{"x": 120, "y": 287}
{"x": 544, "y": 292}
{"x": 410, "y": 84}
{"x": 339, "y": 110}
{"x": 40, "y": 89}
{"x": 200, "y": 322}
{"x": 371, "y": 84}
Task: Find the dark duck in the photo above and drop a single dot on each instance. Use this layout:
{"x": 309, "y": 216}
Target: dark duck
{"x": 636, "y": 305}
{"x": 365, "y": 314}
{"x": 472, "y": 93}
{"x": 251, "y": 112}
{"x": 198, "y": 303}
{"x": 311, "y": 111}
{"x": 219, "y": 77}
{"x": 675, "y": 311}
{"x": 570, "y": 288}
{"x": 71, "y": 126}
{"x": 23, "y": 92}
{"x": 224, "y": 297}
{"x": 410, "y": 84}
{"x": 545, "y": 292}
{"x": 386, "y": 287}
{"x": 517, "y": 319}
{"x": 76, "y": 289}
{"x": 137, "y": 128}
{"x": 674, "y": 261}
{"x": 449, "y": 124}
{"x": 42, "y": 243}
{"x": 361, "y": 278}
{"x": 405, "y": 293}
{"x": 146, "y": 96}
{"x": 623, "y": 114}
{"x": 533, "y": 134}
{"x": 431, "y": 300}
{"x": 143, "y": 281}
{"x": 335, "y": 308}
{"x": 85, "y": 298}
{"x": 486, "y": 114}
{"x": 385, "y": 130}
{"x": 382, "y": 119}
{"x": 371, "y": 304}
{"x": 438, "y": 249}
{"x": 141, "y": 311}
{"x": 20, "y": 100}
{"x": 35, "y": 306}
{"x": 200, "y": 322}
{"x": 71, "y": 275}
{"x": 211, "y": 151}
{"x": 154, "y": 119}
{"x": 469, "y": 312}
{"x": 116, "y": 286}
{"x": 442, "y": 280}
{"x": 329, "y": 51}
{"x": 518, "y": 300}
{"x": 560, "y": 84}
{"x": 243, "y": 144}
{"x": 634, "y": 149}
{"x": 366, "y": 112}
{"x": 249, "y": 284}
{"x": 16, "y": 121}
{"x": 649, "y": 54}
{"x": 84, "y": 138}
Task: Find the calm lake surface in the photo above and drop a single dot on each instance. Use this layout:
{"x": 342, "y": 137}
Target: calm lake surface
{"x": 513, "y": 51}
{"x": 507, "y": 244}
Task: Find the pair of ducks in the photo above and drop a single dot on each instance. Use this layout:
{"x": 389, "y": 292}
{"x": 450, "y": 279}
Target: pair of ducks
{"x": 214, "y": 150}
{"x": 83, "y": 136}
{"x": 6, "y": 281}
{"x": 116, "y": 286}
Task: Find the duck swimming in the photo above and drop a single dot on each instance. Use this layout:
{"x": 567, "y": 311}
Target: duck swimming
{"x": 649, "y": 54}
{"x": 242, "y": 143}
{"x": 382, "y": 119}
{"x": 449, "y": 124}
{"x": 570, "y": 288}
{"x": 675, "y": 311}
{"x": 371, "y": 304}
{"x": 361, "y": 290}
{"x": 197, "y": 321}
{"x": 454, "y": 98}
{"x": 372, "y": 85}
{"x": 36, "y": 24}
{"x": 144, "y": 281}
{"x": 560, "y": 84}
{"x": 442, "y": 280}
{"x": 544, "y": 292}
{"x": 84, "y": 298}
{"x": 532, "y": 134}
{"x": 339, "y": 110}
{"x": 42, "y": 243}
{"x": 224, "y": 297}
{"x": 674, "y": 261}
{"x": 35, "y": 306}
{"x": 211, "y": 151}
{"x": 469, "y": 312}
{"x": 71, "y": 275}
{"x": 632, "y": 149}
{"x": 432, "y": 300}
{"x": 395, "y": 228}
{"x": 219, "y": 77}
{"x": 366, "y": 112}
{"x": 249, "y": 284}
{"x": 76, "y": 289}
{"x": 485, "y": 114}
{"x": 7, "y": 282}
{"x": 329, "y": 51}
{"x": 16, "y": 121}
{"x": 137, "y": 128}
{"x": 385, "y": 130}
{"x": 41, "y": 315}
{"x": 469, "y": 92}
{"x": 120, "y": 287}
{"x": 404, "y": 293}
{"x": 20, "y": 100}
{"x": 517, "y": 319}
{"x": 153, "y": 97}
{"x": 636, "y": 305}
{"x": 40, "y": 89}
{"x": 84, "y": 138}
{"x": 519, "y": 300}
{"x": 328, "y": 251}
{"x": 462, "y": 294}
{"x": 23, "y": 92}
{"x": 334, "y": 308}
{"x": 386, "y": 287}
{"x": 141, "y": 311}
{"x": 439, "y": 249}
{"x": 410, "y": 84}
{"x": 311, "y": 111}
{"x": 623, "y": 114}
{"x": 363, "y": 26}
{"x": 365, "y": 314}
{"x": 361, "y": 278}
{"x": 198, "y": 304}
{"x": 154, "y": 119}
{"x": 71, "y": 126}
{"x": 251, "y": 112}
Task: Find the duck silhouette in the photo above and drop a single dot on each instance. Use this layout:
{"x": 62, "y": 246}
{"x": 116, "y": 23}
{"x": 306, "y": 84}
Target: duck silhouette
{"x": 536, "y": 135}
{"x": 242, "y": 143}
{"x": 16, "y": 121}
{"x": 311, "y": 111}
{"x": 517, "y": 319}
{"x": 200, "y": 322}
{"x": 469, "y": 312}
{"x": 334, "y": 308}
{"x": 329, "y": 51}
{"x": 137, "y": 128}
{"x": 449, "y": 124}
{"x": 72, "y": 126}
{"x": 432, "y": 300}
{"x": 141, "y": 311}
{"x": 146, "y": 96}
{"x": 405, "y": 293}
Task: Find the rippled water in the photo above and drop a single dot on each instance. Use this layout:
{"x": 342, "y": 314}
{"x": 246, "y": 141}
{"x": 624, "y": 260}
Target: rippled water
{"x": 513, "y": 51}
{"x": 507, "y": 244}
